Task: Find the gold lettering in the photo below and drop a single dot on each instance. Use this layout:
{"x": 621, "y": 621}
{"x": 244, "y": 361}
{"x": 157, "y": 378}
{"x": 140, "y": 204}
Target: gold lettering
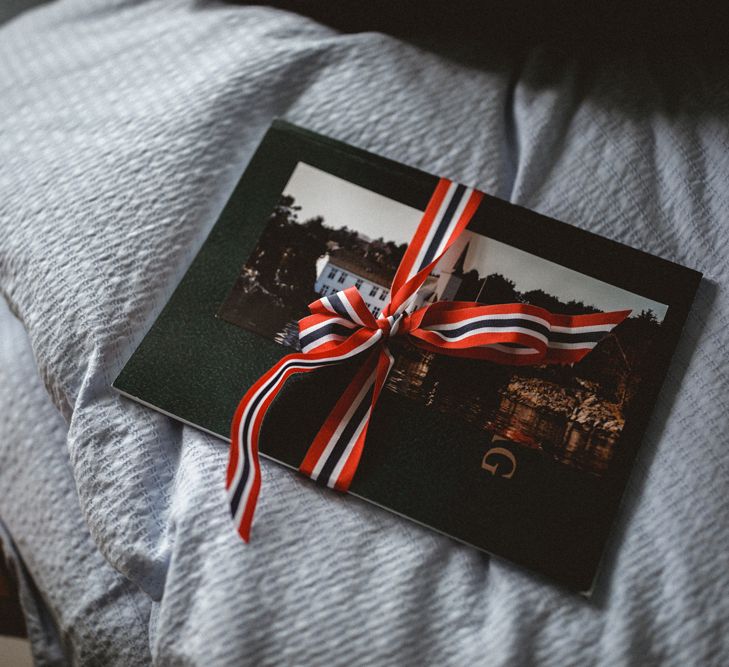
{"x": 493, "y": 468}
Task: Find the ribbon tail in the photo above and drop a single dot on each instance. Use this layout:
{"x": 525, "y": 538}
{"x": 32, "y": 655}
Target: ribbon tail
{"x": 243, "y": 480}
{"x": 334, "y": 455}
{"x": 573, "y": 337}
{"x": 515, "y": 334}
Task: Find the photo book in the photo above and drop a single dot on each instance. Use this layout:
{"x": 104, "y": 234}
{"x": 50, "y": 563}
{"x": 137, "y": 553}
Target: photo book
{"x": 526, "y": 462}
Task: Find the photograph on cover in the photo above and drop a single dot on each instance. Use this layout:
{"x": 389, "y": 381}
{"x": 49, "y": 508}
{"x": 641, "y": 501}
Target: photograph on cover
{"x": 326, "y": 234}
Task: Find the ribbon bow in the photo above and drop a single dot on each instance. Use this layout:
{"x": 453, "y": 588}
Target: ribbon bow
{"x": 341, "y": 327}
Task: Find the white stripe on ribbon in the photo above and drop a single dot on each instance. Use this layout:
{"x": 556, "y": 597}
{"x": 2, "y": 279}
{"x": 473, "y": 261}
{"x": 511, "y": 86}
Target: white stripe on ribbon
{"x": 342, "y": 425}
{"x": 433, "y": 228}
{"x": 589, "y": 328}
{"x": 497, "y": 316}
{"x": 574, "y": 346}
{"x": 487, "y": 329}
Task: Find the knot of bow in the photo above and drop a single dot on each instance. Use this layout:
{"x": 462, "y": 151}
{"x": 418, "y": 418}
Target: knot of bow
{"x": 341, "y": 327}
{"x": 338, "y": 316}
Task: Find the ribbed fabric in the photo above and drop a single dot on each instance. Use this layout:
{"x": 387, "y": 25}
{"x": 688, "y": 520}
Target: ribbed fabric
{"x": 124, "y": 128}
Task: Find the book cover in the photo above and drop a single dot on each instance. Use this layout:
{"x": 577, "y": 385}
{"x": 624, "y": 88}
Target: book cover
{"x": 527, "y": 462}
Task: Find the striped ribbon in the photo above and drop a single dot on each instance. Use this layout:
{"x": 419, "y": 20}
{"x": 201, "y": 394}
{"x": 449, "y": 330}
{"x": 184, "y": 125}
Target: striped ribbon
{"x": 341, "y": 327}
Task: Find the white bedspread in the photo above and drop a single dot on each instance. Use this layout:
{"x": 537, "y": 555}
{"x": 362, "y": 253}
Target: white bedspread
{"x": 123, "y": 128}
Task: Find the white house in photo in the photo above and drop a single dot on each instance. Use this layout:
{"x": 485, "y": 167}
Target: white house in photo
{"x": 340, "y": 269}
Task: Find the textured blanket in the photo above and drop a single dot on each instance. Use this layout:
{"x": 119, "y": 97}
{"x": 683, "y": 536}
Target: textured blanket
{"x": 124, "y": 128}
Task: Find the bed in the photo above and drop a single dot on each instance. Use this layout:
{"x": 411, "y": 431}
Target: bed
{"x": 125, "y": 126}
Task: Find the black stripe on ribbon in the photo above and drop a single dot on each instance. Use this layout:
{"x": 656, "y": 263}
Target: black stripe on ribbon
{"x": 325, "y": 330}
{"x": 443, "y": 226}
{"x": 339, "y": 306}
{"x": 344, "y": 438}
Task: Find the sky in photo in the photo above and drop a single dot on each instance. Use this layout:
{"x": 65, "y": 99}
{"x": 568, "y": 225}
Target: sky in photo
{"x": 342, "y": 203}
{"x": 530, "y": 272}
